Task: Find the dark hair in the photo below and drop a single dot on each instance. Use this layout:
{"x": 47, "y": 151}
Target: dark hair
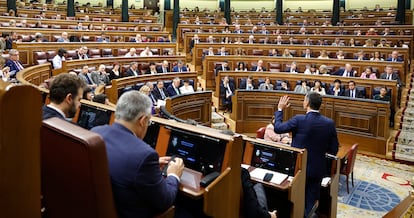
{"x": 337, "y": 81}
{"x": 152, "y": 63}
{"x": 61, "y": 51}
{"x": 352, "y": 82}
{"x": 62, "y": 85}
{"x": 315, "y": 100}
{"x": 86, "y": 90}
{"x": 99, "y": 98}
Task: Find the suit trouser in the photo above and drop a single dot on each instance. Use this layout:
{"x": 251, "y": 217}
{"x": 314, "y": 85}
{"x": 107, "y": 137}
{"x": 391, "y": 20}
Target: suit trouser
{"x": 312, "y": 192}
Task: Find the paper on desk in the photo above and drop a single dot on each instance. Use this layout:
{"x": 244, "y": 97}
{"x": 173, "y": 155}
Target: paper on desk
{"x": 277, "y": 178}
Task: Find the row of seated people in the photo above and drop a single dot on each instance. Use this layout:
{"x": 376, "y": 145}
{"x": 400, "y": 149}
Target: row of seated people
{"x": 394, "y": 56}
{"x": 276, "y": 30}
{"x": 41, "y": 57}
{"x": 291, "y": 40}
{"x": 227, "y": 89}
{"x": 104, "y": 74}
{"x": 65, "y": 37}
{"x": 89, "y": 26}
{"x": 346, "y": 71}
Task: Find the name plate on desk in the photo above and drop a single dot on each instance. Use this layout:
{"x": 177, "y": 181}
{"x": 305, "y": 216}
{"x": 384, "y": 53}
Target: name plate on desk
{"x": 260, "y": 173}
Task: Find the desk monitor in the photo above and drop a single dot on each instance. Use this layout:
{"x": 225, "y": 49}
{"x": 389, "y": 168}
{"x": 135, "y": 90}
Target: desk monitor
{"x": 274, "y": 158}
{"x": 91, "y": 116}
{"x": 199, "y": 152}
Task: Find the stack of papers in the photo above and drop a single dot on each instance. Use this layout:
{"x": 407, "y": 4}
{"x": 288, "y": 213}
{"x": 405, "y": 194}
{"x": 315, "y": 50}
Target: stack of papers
{"x": 277, "y": 178}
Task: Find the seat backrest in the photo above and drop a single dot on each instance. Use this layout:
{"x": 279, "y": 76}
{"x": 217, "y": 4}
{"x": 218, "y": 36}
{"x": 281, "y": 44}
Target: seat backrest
{"x": 75, "y": 174}
{"x": 260, "y": 133}
{"x": 351, "y": 159}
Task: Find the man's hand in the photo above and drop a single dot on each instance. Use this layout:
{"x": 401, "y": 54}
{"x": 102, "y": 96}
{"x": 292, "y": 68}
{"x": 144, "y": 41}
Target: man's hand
{"x": 273, "y": 214}
{"x": 176, "y": 167}
{"x": 283, "y": 102}
{"x": 163, "y": 161}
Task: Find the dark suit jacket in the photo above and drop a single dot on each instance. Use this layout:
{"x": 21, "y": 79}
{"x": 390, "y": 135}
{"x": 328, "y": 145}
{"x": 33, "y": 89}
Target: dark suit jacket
{"x": 254, "y": 68}
{"x": 251, "y": 206}
{"x": 341, "y": 91}
{"x": 399, "y": 59}
{"x": 394, "y": 76}
{"x": 157, "y": 95}
{"x": 137, "y": 184}
{"x": 183, "y": 69}
{"x": 220, "y": 68}
{"x": 49, "y": 112}
{"x": 13, "y": 67}
{"x": 129, "y": 72}
{"x": 223, "y": 92}
{"x": 171, "y": 91}
{"x": 314, "y": 132}
{"x": 159, "y": 69}
{"x": 340, "y": 72}
{"x": 358, "y": 94}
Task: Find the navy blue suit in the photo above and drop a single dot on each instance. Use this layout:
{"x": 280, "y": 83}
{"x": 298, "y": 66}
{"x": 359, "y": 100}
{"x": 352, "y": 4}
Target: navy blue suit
{"x": 137, "y": 184}
{"x": 171, "y": 91}
{"x": 49, "y": 112}
{"x": 317, "y": 134}
{"x": 13, "y": 67}
{"x": 183, "y": 69}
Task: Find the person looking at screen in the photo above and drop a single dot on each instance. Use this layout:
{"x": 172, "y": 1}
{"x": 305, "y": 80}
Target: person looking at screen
{"x": 138, "y": 187}
{"x": 306, "y": 133}
{"x": 65, "y": 94}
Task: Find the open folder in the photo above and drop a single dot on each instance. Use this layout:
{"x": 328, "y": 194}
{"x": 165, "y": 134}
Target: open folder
{"x": 277, "y": 178}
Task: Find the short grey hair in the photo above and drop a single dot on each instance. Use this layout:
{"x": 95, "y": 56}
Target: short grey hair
{"x": 13, "y": 51}
{"x": 132, "y": 105}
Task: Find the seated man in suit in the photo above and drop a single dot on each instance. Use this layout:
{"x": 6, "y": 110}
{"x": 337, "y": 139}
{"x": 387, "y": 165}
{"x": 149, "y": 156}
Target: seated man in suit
{"x": 159, "y": 92}
{"x": 164, "y": 68}
{"x": 352, "y": 92}
{"x": 81, "y": 53}
{"x": 336, "y": 89}
{"x": 259, "y": 67}
{"x": 267, "y": 85}
{"x": 222, "y": 51}
{"x": 293, "y": 68}
{"x": 101, "y": 77}
{"x": 308, "y": 54}
{"x": 346, "y": 72}
{"x": 306, "y": 132}
{"x": 223, "y": 67}
{"x": 133, "y": 70}
{"x": 226, "y": 92}
{"x": 65, "y": 94}
{"x": 237, "y": 29}
{"x": 179, "y": 67}
{"x": 14, "y": 63}
{"x": 394, "y": 57}
{"x": 174, "y": 88}
{"x": 138, "y": 186}
{"x": 390, "y": 75}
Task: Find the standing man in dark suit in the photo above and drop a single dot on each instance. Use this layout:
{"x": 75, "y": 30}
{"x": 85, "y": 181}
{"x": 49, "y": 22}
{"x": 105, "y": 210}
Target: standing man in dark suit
{"x": 14, "y": 63}
{"x": 227, "y": 89}
{"x": 174, "y": 88}
{"x": 65, "y": 94}
{"x": 314, "y": 132}
{"x": 160, "y": 92}
{"x": 138, "y": 187}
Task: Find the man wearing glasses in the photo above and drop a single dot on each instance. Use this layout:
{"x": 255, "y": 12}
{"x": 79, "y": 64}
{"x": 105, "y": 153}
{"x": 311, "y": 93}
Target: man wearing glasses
{"x": 137, "y": 184}
{"x": 14, "y": 63}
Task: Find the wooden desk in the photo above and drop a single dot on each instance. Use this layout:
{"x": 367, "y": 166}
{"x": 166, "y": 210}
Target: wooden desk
{"x": 293, "y": 191}
{"x": 222, "y": 197}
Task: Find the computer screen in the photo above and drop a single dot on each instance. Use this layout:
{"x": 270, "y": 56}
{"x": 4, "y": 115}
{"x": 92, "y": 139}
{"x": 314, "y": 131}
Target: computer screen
{"x": 199, "y": 152}
{"x": 274, "y": 158}
{"x": 91, "y": 116}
